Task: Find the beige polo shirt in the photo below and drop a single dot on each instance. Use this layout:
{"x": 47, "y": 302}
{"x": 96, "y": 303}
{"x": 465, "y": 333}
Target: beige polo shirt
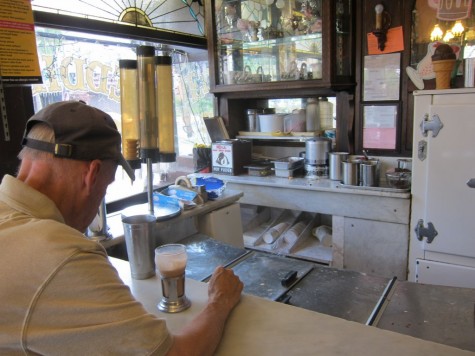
{"x": 59, "y": 294}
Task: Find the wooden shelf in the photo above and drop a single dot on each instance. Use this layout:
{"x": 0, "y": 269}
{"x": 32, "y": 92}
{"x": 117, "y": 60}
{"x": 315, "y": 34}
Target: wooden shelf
{"x": 294, "y": 136}
{"x": 269, "y": 43}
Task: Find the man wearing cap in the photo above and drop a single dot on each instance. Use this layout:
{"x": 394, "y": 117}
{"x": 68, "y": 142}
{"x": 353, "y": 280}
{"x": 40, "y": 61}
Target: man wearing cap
{"x": 59, "y": 293}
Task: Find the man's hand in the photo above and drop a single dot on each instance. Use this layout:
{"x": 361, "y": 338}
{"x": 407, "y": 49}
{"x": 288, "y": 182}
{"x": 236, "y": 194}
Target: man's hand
{"x": 203, "y": 334}
{"x": 224, "y": 288}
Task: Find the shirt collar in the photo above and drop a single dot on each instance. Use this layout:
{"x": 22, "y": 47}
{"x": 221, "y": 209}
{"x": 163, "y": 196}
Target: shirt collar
{"x": 20, "y": 196}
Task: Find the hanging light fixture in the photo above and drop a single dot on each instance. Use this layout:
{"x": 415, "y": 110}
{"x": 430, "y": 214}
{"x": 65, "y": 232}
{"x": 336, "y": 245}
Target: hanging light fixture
{"x": 458, "y": 29}
{"x": 436, "y": 33}
{"x": 448, "y": 36}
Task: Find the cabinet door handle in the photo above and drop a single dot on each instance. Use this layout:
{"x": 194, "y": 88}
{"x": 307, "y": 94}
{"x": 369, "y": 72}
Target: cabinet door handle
{"x": 434, "y": 125}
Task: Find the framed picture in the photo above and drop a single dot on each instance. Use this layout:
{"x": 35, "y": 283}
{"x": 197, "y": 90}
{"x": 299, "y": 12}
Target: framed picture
{"x": 380, "y": 126}
{"x": 381, "y": 77}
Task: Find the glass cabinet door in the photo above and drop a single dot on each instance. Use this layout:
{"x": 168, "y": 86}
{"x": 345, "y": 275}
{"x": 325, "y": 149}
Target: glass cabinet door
{"x": 279, "y": 40}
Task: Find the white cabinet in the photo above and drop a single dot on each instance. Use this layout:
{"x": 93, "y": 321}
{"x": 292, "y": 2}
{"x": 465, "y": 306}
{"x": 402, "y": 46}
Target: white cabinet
{"x": 442, "y": 242}
{"x": 223, "y": 224}
{"x": 369, "y": 227}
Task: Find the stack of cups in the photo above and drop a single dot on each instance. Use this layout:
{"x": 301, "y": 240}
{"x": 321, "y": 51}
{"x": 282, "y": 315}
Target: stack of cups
{"x": 274, "y": 232}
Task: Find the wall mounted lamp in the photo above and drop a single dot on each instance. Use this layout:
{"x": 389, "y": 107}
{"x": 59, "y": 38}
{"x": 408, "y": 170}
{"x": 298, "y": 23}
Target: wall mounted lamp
{"x": 383, "y": 22}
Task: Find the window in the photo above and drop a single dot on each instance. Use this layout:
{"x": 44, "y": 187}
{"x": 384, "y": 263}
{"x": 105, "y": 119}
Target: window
{"x": 82, "y": 66}
{"x": 186, "y": 16}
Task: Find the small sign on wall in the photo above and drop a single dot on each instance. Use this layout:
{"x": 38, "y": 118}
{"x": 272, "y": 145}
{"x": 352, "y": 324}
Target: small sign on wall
{"x": 379, "y": 126}
{"x": 394, "y": 42}
{"x": 450, "y": 10}
{"x": 18, "y": 54}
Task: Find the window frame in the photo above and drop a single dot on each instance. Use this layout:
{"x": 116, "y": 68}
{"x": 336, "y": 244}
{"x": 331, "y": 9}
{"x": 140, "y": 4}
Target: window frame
{"x": 173, "y": 40}
{"x": 119, "y": 30}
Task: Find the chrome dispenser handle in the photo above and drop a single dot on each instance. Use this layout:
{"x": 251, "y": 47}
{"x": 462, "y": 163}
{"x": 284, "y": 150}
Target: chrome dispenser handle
{"x": 471, "y": 183}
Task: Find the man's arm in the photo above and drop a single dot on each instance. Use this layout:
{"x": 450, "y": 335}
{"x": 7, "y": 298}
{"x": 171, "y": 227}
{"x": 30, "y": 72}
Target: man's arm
{"x": 203, "y": 334}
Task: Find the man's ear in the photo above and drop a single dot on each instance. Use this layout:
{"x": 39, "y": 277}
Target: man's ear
{"x": 92, "y": 173}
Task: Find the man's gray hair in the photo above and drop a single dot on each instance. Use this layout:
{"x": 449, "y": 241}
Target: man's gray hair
{"x": 40, "y": 132}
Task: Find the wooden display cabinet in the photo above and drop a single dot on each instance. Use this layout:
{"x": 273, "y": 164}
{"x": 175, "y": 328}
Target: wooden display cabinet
{"x": 270, "y": 44}
{"x": 275, "y": 49}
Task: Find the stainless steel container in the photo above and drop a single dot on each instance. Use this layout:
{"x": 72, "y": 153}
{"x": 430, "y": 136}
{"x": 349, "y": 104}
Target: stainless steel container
{"x": 252, "y": 120}
{"x": 317, "y": 150}
{"x": 350, "y": 172}
{"x": 335, "y": 162}
{"x": 369, "y": 174}
{"x": 139, "y": 241}
{"x": 404, "y": 163}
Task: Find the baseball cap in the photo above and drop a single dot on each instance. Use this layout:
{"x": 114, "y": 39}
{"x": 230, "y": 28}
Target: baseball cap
{"x": 82, "y": 132}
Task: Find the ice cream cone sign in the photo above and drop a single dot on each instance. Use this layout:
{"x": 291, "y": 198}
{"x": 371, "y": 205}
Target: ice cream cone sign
{"x": 424, "y": 69}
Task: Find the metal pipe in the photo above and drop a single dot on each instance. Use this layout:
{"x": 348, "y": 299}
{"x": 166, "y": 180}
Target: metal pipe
{"x": 382, "y": 300}
{"x": 150, "y": 185}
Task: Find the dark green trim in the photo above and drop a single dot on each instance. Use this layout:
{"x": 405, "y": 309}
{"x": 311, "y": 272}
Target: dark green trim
{"x": 72, "y": 23}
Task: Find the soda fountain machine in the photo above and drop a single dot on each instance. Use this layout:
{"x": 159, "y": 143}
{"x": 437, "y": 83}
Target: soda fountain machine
{"x": 147, "y": 112}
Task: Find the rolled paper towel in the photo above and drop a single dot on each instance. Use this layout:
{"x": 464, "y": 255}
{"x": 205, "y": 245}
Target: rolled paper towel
{"x": 294, "y": 232}
{"x": 274, "y": 232}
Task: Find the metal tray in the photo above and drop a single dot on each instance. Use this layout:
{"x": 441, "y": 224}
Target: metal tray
{"x": 205, "y": 254}
{"x": 377, "y": 189}
{"x": 287, "y": 173}
{"x": 288, "y": 163}
{"x": 259, "y": 170}
{"x": 344, "y": 294}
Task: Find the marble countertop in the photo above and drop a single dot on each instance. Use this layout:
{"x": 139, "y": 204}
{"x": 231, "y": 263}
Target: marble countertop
{"x": 261, "y": 327}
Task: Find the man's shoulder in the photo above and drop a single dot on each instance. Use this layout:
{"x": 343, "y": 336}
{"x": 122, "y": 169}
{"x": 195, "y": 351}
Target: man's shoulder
{"x": 44, "y": 238}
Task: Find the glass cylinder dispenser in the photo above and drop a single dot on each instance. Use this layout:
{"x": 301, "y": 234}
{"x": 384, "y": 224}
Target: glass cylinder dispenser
{"x": 129, "y": 111}
{"x": 147, "y": 103}
{"x": 166, "y": 130}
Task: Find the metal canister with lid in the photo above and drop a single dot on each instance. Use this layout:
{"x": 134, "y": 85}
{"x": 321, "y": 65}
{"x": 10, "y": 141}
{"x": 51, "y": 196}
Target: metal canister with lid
{"x": 316, "y": 157}
{"x": 312, "y": 115}
{"x": 252, "y": 120}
